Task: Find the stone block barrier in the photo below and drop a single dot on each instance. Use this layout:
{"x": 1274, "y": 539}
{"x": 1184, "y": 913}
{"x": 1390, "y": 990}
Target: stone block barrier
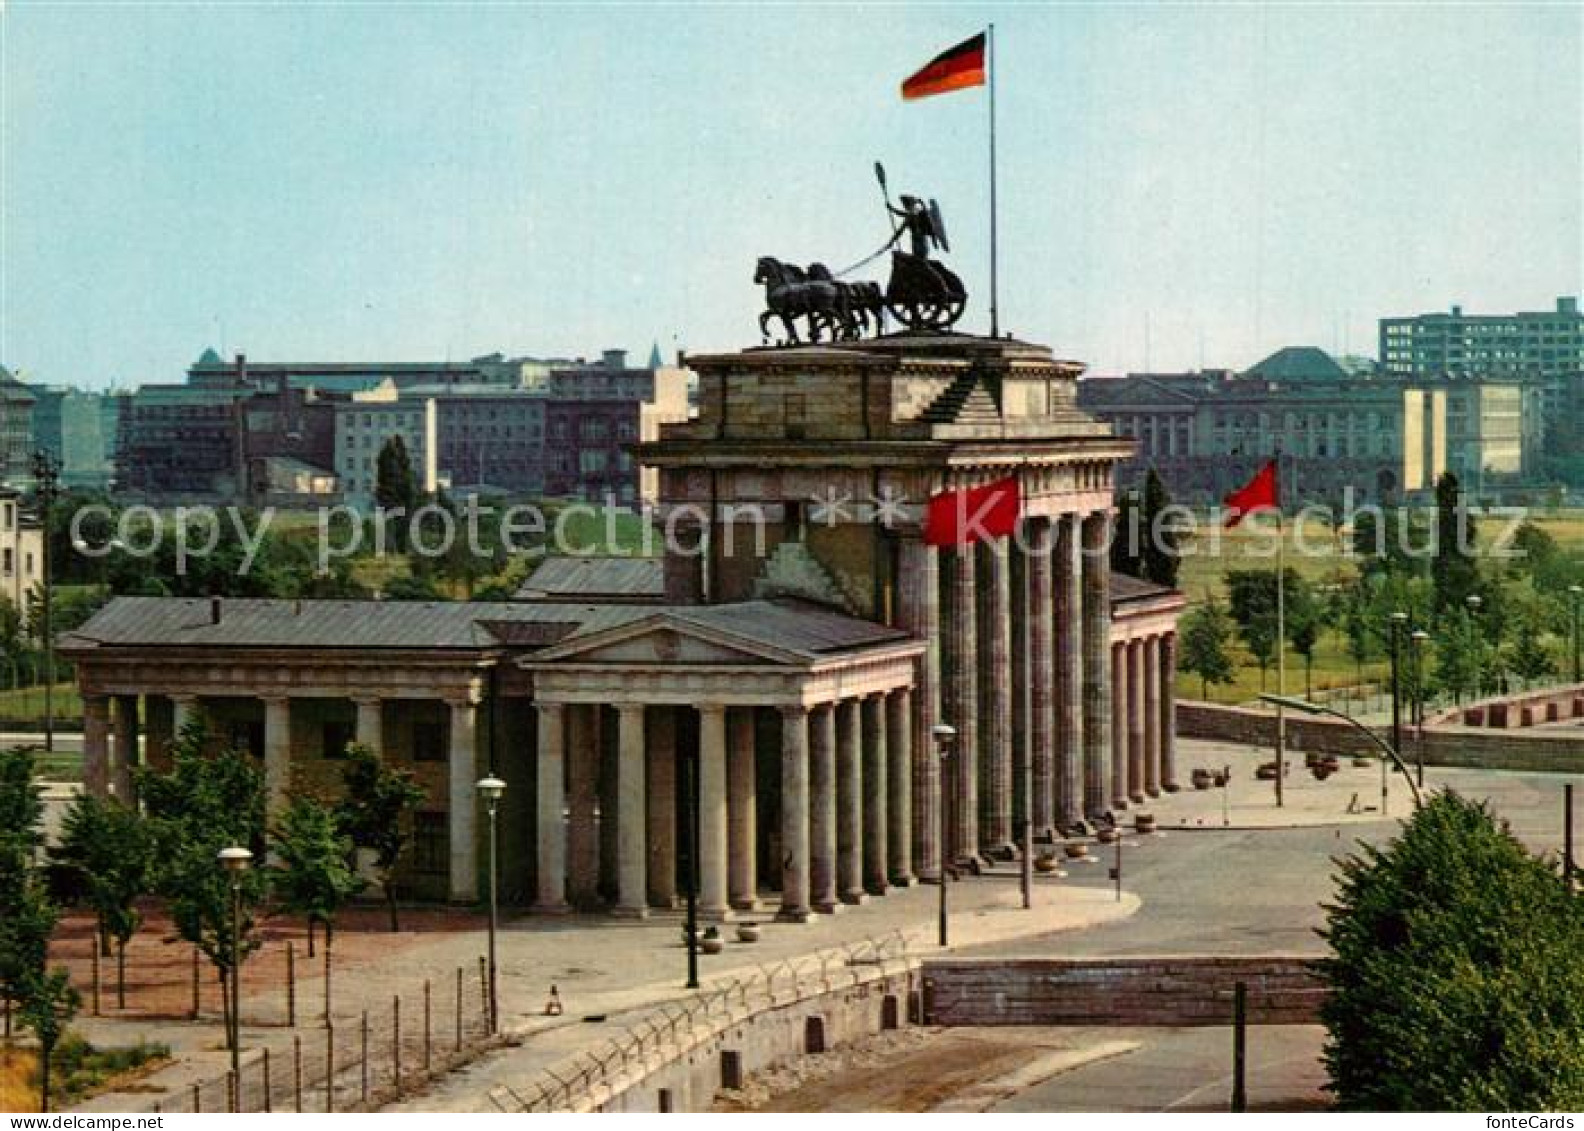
{"x": 1150, "y": 991}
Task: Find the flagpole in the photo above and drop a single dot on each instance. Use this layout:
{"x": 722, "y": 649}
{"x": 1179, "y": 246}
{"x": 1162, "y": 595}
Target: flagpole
{"x": 995, "y": 316}
{"x": 1281, "y": 632}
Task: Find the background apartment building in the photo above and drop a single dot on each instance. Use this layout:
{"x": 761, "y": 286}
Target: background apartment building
{"x": 21, "y": 552}
{"x": 16, "y": 429}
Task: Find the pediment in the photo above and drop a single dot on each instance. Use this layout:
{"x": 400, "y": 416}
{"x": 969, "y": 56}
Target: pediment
{"x": 662, "y": 640}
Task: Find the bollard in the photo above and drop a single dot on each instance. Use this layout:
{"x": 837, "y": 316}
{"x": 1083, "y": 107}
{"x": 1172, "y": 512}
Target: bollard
{"x": 297, "y": 1072}
{"x": 484, "y": 994}
{"x": 1239, "y": 1046}
{"x": 459, "y": 1009}
{"x": 363, "y": 1058}
{"x": 291, "y": 984}
{"x": 268, "y": 1106}
{"x": 396, "y": 1041}
{"x": 427, "y": 1038}
{"x": 93, "y": 951}
{"x": 233, "y": 1094}
{"x": 329, "y": 1068}
{"x": 195, "y": 987}
{"x": 197, "y": 1095}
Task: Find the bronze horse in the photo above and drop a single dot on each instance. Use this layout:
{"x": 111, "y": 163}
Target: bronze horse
{"x": 790, "y": 294}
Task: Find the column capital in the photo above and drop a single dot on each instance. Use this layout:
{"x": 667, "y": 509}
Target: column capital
{"x": 460, "y": 699}
{"x": 794, "y": 710}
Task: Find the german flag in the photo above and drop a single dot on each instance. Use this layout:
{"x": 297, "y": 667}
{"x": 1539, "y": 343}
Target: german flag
{"x": 954, "y": 69}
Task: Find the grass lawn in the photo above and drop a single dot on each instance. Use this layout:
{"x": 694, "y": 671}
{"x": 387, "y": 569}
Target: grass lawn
{"x": 27, "y": 703}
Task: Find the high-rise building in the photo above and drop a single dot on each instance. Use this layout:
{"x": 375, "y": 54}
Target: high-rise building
{"x": 1548, "y": 345}
{"x": 16, "y": 428}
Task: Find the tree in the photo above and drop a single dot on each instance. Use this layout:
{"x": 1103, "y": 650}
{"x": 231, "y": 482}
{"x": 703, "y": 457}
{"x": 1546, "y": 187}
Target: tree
{"x": 314, "y": 876}
{"x": 1446, "y": 988}
{"x": 1452, "y": 569}
{"x": 1530, "y": 657}
{"x": 1206, "y": 633}
{"x": 1252, "y": 596}
{"x": 395, "y": 486}
{"x": 375, "y": 812}
{"x": 111, "y": 847}
{"x": 48, "y": 1005}
{"x": 200, "y": 805}
{"x": 1161, "y": 556}
{"x": 1303, "y": 622}
{"x": 1458, "y": 651}
{"x": 27, "y": 916}
{"x": 1128, "y": 536}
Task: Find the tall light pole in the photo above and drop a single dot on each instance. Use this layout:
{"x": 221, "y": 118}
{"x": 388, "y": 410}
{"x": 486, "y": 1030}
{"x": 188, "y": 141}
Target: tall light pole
{"x": 46, "y": 486}
{"x": 1474, "y": 601}
{"x": 236, "y": 860}
{"x": 1420, "y": 638}
{"x": 944, "y": 736}
{"x": 1392, "y": 755}
{"x": 1576, "y": 592}
{"x": 489, "y": 791}
{"x": 1399, "y": 621}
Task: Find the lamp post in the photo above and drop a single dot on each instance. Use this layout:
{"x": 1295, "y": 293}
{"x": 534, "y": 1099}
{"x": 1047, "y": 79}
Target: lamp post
{"x": 236, "y": 860}
{"x": 1399, "y": 621}
{"x": 89, "y": 550}
{"x": 944, "y": 736}
{"x": 489, "y": 790}
{"x": 46, "y": 485}
{"x": 1474, "y": 601}
{"x": 1420, "y": 638}
{"x": 1309, "y": 708}
{"x": 1576, "y": 592}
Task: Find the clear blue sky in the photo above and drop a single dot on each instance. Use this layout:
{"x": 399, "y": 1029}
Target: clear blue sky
{"x": 1178, "y": 183}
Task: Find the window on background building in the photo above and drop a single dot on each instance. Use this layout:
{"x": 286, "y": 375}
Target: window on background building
{"x": 592, "y": 462}
{"x": 428, "y": 742}
{"x": 7, "y": 562}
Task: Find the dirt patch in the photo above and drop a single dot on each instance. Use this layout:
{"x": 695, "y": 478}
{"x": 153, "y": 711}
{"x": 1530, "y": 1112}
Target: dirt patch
{"x": 913, "y": 1070}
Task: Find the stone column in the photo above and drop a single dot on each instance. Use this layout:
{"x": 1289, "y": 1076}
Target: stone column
{"x": 795, "y": 869}
{"x": 631, "y": 898}
{"x": 1168, "y": 720}
{"x": 371, "y": 723}
{"x": 583, "y": 760}
{"x": 1119, "y": 732}
{"x": 876, "y": 830}
{"x": 464, "y": 801}
{"x": 899, "y": 807}
{"x": 742, "y": 818}
{"x": 96, "y": 744}
{"x": 918, "y": 611}
{"x": 1152, "y": 717}
{"x": 996, "y": 839}
{"x": 712, "y": 813}
{"x": 550, "y": 823}
{"x": 961, "y": 709}
{"x": 277, "y": 753}
{"x": 184, "y": 709}
{"x": 1042, "y": 683}
{"x": 849, "y": 803}
{"x": 124, "y": 717}
{"x": 1070, "y": 779}
{"x": 822, "y": 809}
{"x": 1135, "y": 721}
{"x": 661, "y": 735}
{"x": 1096, "y": 668}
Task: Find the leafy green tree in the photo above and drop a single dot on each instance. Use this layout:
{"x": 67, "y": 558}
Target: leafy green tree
{"x": 1252, "y": 598}
{"x": 314, "y": 876}
{"x": 48, "y": 1005}
{"x": 1161, "y": 555}
{"x": 111, "y": 846}
{"x": 1448, "y": 989}
{"x": 200, "y": 805}
{"x": 27, "y": 916}
{"x": 396, "y": 486}
{"x": 413, "y": 587}
{"x": 1453, "y": 569}
{"x": 1458, "y": 649}
{"x": 1206, "y": 635}
{"x": 1128, "y": 536}
{"x": 1530, "y": 656}
{"x": 375, "y": 811}
{"x": 1303, "y": 621}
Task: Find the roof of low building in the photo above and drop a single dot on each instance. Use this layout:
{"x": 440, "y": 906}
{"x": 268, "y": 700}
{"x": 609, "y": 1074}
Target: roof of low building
{"x": 1125, "y": 587}
{"x": 622, "y": 580}
{"x": 1298, "y": 363}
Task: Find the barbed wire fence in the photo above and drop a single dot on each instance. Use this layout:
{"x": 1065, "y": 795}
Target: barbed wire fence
{"x": 674, "y": 1028}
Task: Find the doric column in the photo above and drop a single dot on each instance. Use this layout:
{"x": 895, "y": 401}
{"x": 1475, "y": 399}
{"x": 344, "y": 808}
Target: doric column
{"x": 962, "y": 707}
{"x": 1168, "y": 721}
{"x": 1135, "y": 722}
{"x": 899, "y": 807}
{"x": 712, "y": 812}
{"x": 918, "y": 611}
{"x": 795, "y": 865}
{"x": 995, "y": 701}
{"x": 371, "y": 723}
{"x": 184, "y": 709}
{"x": 1119, "y": 732}
{"x": 876, "y": 827}
{"x": 1068, "y": 576}
{"x": 124, "y": 719}
{"x": 1042, "y": 683}
{"x": 96, "y": 744}
{"x": 1096, "y": 656}
{"x": 849, "y": 803}
{"x": 464, "y": 802}
{"x": 742, "y": 818}
{"x": 631, "y": 899}
{"x": 661, "y": 740}
{"x": 277, "y": 753}
{"x": 822, "y": 809}
{"x": 1152, "y": 717}
{"x": 550, "y": 823}
{"x": 582, "y": 767}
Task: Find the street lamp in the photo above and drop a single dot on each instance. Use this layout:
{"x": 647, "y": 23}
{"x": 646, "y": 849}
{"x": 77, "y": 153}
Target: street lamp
{"x": 1399, "y": 621}
{"x": 46, "y": 487}
{"x": 1309, "y": 708}
{"x": 236, "y": 860}
{"x": 1474, "y": 601}
{"x": 489, "y": 791}
{"x": 1576, "y": 592}
{"x": 89, "y": 550}
{"x": 944, "y": 736}
{"x": 1420, "y": 638}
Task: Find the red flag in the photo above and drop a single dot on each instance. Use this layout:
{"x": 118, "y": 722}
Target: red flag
{"x": 953, "y": 69}
{"x": 1259, "y": 494}
{"x": 973, "y": 514}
